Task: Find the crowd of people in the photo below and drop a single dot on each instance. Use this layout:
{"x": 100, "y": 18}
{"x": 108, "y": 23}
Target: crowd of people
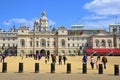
{"x": 95, "y": 61}
{"x": 61, "y": 58}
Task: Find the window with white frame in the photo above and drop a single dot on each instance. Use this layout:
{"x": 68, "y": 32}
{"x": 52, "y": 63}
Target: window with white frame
{"x": 62, "y": 42}
{"x": 103, "y": 43}
{"x": 97, "y": 42}
{"x": 109, "y": 43}
{"x": 22, "y": 42}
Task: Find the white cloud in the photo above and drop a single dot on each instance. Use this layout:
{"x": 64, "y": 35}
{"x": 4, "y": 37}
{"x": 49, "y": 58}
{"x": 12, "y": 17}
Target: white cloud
{"x": 51, "y": 23}
{"x": 104, "y": 7}
{"x": 94, "y": 17}
{"x": 101, "y": 24}
{"x": 101, "y": 14}
{"x": 20, "y": 22}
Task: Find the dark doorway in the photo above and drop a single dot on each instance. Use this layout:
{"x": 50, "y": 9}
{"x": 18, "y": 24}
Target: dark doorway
{"x": 43, "y": 52}
{"x": 37, "y": 52}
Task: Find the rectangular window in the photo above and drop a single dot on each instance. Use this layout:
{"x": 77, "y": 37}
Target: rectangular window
{"x": 37, "y": 44}
{"x": 13, "y": 45}
{"x": 8, "y": 45}
{"x": 82, "y": 44}
{"x": 3, "y": 44}
{"x": 68, "y": 45}
{"x": 48, "y": 44}
{"x": 54, "y": 43}
{"x": 3, "y": 39}
{"x": 68, "y": 39}
{"x": 30, "y": 43}
{"x": 73, "y": 45}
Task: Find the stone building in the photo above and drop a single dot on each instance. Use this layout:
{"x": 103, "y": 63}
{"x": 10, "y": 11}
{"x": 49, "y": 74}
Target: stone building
{"x": 57, "y": 41}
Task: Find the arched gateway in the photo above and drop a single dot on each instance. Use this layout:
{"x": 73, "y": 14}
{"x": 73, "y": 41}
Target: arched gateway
{"x": 43, "y": 52}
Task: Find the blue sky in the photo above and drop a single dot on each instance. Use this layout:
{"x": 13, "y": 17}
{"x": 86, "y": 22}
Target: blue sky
{"x": 90, "y": 13}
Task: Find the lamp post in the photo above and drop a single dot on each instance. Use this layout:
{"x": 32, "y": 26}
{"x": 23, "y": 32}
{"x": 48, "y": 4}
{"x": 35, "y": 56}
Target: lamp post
{"x": 34, "y": 40}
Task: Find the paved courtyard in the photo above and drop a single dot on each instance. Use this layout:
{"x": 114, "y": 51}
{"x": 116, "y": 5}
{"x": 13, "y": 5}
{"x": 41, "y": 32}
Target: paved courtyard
{"x": 60, "y": 70}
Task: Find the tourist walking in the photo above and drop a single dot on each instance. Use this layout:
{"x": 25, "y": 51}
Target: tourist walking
{"x": 64, "y": 59}
{"x": 3, "y": 57}
{"x": 60, "y": 59}
{"x": 97, "y": 64}
{"x": 53, "y": 56}
{"x": 48, "y": 55}
{"x": 98, "y": 57}
{"x": 84, "y": 59}
{"x": 104, "y": 61}
{"x": 92, "y": 62}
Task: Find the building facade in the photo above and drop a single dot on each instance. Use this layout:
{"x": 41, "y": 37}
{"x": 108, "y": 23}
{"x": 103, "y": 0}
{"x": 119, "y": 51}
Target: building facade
{"x": 57, "y": 41}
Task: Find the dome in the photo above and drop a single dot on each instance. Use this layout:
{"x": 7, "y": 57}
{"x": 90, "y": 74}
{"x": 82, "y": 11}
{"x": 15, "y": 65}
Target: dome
{"x": 43, "y": 13}
{"x": 44, "y": 16}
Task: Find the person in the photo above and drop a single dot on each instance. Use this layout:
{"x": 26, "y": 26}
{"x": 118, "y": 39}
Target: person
{"x": 3, "y": 58}
{"x": 98, "y": 57}
{"x": 97, "y": 64}
{"x": 40, "y": 56}
{"x": 92, "y": 62}
{"x": 60, "y": 59}
{"x": 84, "y": 59}
{"x": 104, "y": 61}
{"x": 48, "y": 55}
{"x": 0, "y": 58}
{"x": 64, "y": 59}
{"x": 53, "y": 56}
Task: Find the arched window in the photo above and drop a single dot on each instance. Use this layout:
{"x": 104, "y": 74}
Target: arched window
{"x": 103, "y": 43}
{"x": 97, "y": 42}
{"x": 63, "y": 42}
{"x": 109, "y": 43}
{"x": 43, "y": 43}
{"x": 22, "y": 42}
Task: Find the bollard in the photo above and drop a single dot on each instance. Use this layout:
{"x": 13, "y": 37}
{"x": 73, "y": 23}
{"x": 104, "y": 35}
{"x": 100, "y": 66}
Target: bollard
{"x": 100, "y": 70}
{"x": 84, "y": 68}
{"x": 116, "y": 69}
{"x": 68, "y": 68}
{"x": 36, "y": 67}
{"x": 4, "y": 67}
{"x": 20, "y": 67}
{"x": 52, "y": 67}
